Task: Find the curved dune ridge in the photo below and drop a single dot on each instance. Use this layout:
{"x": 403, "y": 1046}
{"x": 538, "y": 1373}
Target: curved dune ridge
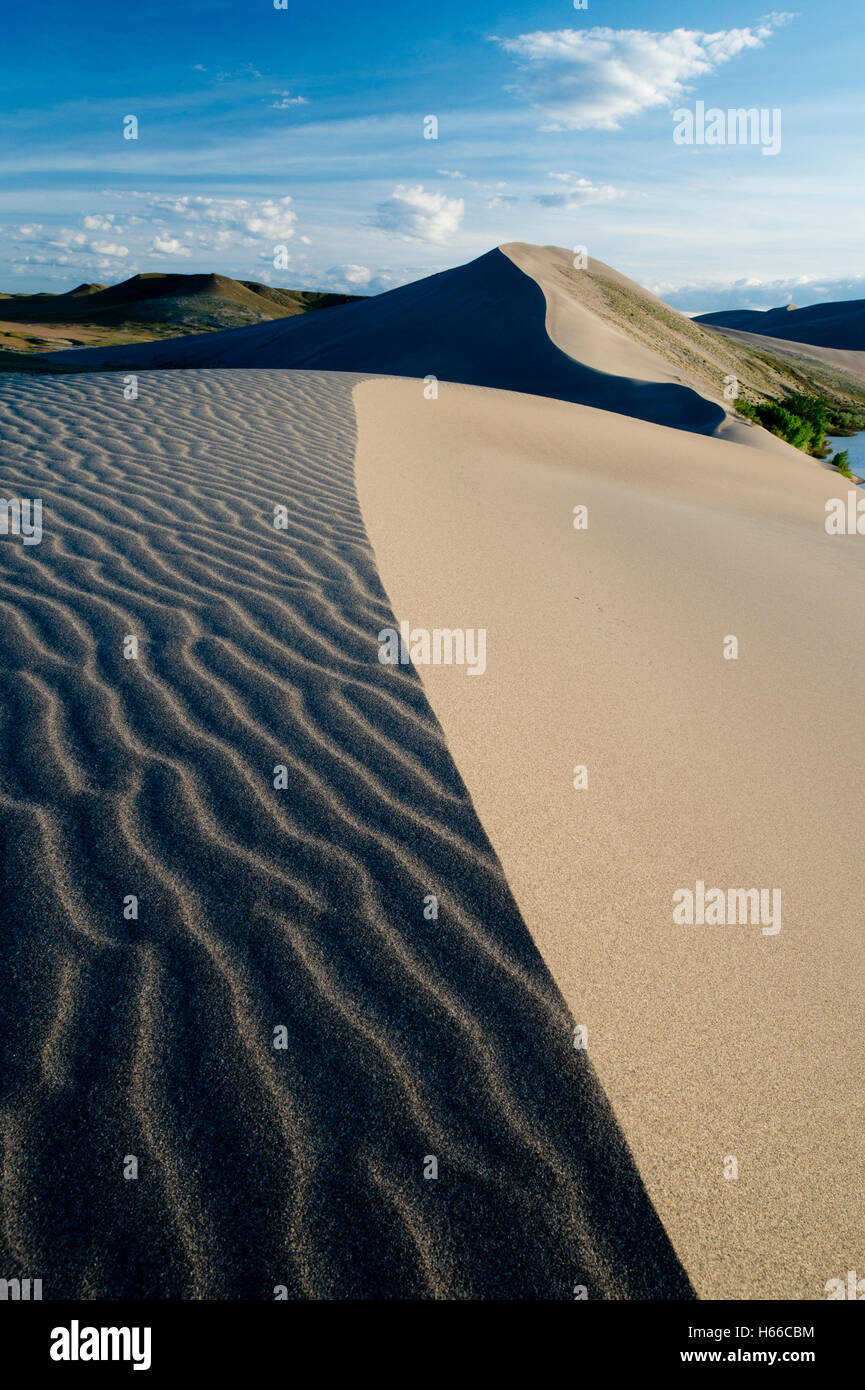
{"x": 481, "y": 324}
{"x": 153, "y": 776}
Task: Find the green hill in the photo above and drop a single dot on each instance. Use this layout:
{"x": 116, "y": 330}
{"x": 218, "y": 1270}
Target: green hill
{"x": 146, "y": 307}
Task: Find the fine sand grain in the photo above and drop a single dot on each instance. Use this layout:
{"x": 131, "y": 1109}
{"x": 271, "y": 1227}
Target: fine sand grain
{"x": 604, "y": 649}
{"x": 301, "y": 908}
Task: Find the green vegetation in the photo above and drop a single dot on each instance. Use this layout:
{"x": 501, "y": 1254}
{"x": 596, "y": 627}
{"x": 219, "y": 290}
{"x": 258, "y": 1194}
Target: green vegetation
{"x": 703, "y": 357}
{"x": 847, "y": 421}
{"x": 841, "y": 461}
{"x": 803, "y": 421}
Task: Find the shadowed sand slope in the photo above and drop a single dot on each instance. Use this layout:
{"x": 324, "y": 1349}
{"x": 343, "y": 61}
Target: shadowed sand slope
{"x": 605, "y": 650}
{"x": 259, "y": 908}
{"x": 483, "y": 324}
{"x": 838, "y": 324}
{"x": 606, "y": 321}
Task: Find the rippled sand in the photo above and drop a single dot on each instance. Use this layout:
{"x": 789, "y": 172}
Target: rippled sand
{"x": 258, "y": 908}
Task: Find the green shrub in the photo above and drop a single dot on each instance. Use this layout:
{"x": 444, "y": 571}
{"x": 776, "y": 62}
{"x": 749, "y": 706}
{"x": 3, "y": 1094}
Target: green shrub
{"x": 815, "y": 411}
{"x": 801, "y": 420}
{"x": 797, "y": 430}
{"x": 841, "y": 461}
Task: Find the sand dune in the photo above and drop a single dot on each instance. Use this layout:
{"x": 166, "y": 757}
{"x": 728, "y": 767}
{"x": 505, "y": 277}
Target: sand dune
{"x": 483, "y": 324}
{"x": 519, "y": 318}
{"x": 842, "y": 361}
{"x": 604, "y": 649}
{"x": 837, "y": 324}
{"x": 608, "y": 322}
{"x": 302, "y": 907}
{"x": 260, "y": 908}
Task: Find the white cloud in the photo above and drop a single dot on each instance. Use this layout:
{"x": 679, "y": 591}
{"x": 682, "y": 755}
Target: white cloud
{"x": 751, "y": 292}
{"x": 65, "y": 246}
{"x": 450, "y": 173}
{"x": 72, "y": 239}
{"x": 108, "y": 248}
{"x": 222, "y": 222}
{"x": 68, "y": 238}
{"x": 232, "y": 230}
{"x": 593, "y": 79}
{"x": 170, "y": 246}
{"x": 100, "y": 223}
{"x": 577, "y": 192}
{"x": 245, "y": 70}
{"x": 353, "y": 279}
{"x": 418, "y": 215}
{"x": 286, "y": 100}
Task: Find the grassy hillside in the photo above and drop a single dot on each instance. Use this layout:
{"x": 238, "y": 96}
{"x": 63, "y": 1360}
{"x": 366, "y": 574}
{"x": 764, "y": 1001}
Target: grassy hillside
{"x": 147, "y": 307}
{"x": 704, "y": 358}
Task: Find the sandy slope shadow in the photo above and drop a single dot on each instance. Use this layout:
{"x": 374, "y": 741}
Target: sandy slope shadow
{"x": 260, "y": 908}
{"x": 482, "y": 324}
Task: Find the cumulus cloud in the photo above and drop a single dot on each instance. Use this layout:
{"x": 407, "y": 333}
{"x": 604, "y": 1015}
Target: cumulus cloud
{"x": 418, "y": 215}
{"x": 354, "y": 279}
{"x": 751, "y": 292}
{"x": 285, "y": 99}
{"x": 172, "y": 226}
{"x": 108, "y": 248}
{"x": 101, "y": 223}
{"x": 576, "y": 192}
{"x": 170, "y": 246}
{"x": 222, "y": 222}
{"x": 73, "y": 240}
{"x": 593, "y": 79}
{"x": 354, "y": 274}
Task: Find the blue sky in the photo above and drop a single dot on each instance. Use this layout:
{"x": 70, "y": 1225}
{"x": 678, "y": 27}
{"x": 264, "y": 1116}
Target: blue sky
{"x": 303, "y": 128}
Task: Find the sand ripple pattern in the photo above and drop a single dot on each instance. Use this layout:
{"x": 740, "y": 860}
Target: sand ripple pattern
{"x": 259, "y": 1167}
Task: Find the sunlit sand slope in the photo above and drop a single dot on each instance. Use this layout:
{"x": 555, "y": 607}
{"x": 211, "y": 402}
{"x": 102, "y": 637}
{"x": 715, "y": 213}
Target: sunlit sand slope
{"x": 297, "y": 908}
{"x": 605, "y": 650}
{"x": 483, "y": 323}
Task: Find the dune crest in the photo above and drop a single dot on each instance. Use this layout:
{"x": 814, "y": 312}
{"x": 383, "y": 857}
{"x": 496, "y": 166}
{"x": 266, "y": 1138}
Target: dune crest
{"x": 605, "y": 652}
{"x": 483, "y": 324}
{"x": 280, "y": 806}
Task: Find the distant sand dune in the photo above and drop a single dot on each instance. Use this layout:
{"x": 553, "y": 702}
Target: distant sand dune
{"x": 303, "y": 907}
{"x": 845, "y": 361}
{"x": 837, "y": 324}
{"x": 483, "y": 324}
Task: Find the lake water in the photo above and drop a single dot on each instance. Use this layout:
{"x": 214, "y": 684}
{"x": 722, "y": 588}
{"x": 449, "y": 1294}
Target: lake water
{"x": 855, "y": 446}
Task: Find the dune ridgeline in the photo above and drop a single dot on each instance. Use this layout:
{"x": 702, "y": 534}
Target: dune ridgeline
{"x": 330, "y": 977}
